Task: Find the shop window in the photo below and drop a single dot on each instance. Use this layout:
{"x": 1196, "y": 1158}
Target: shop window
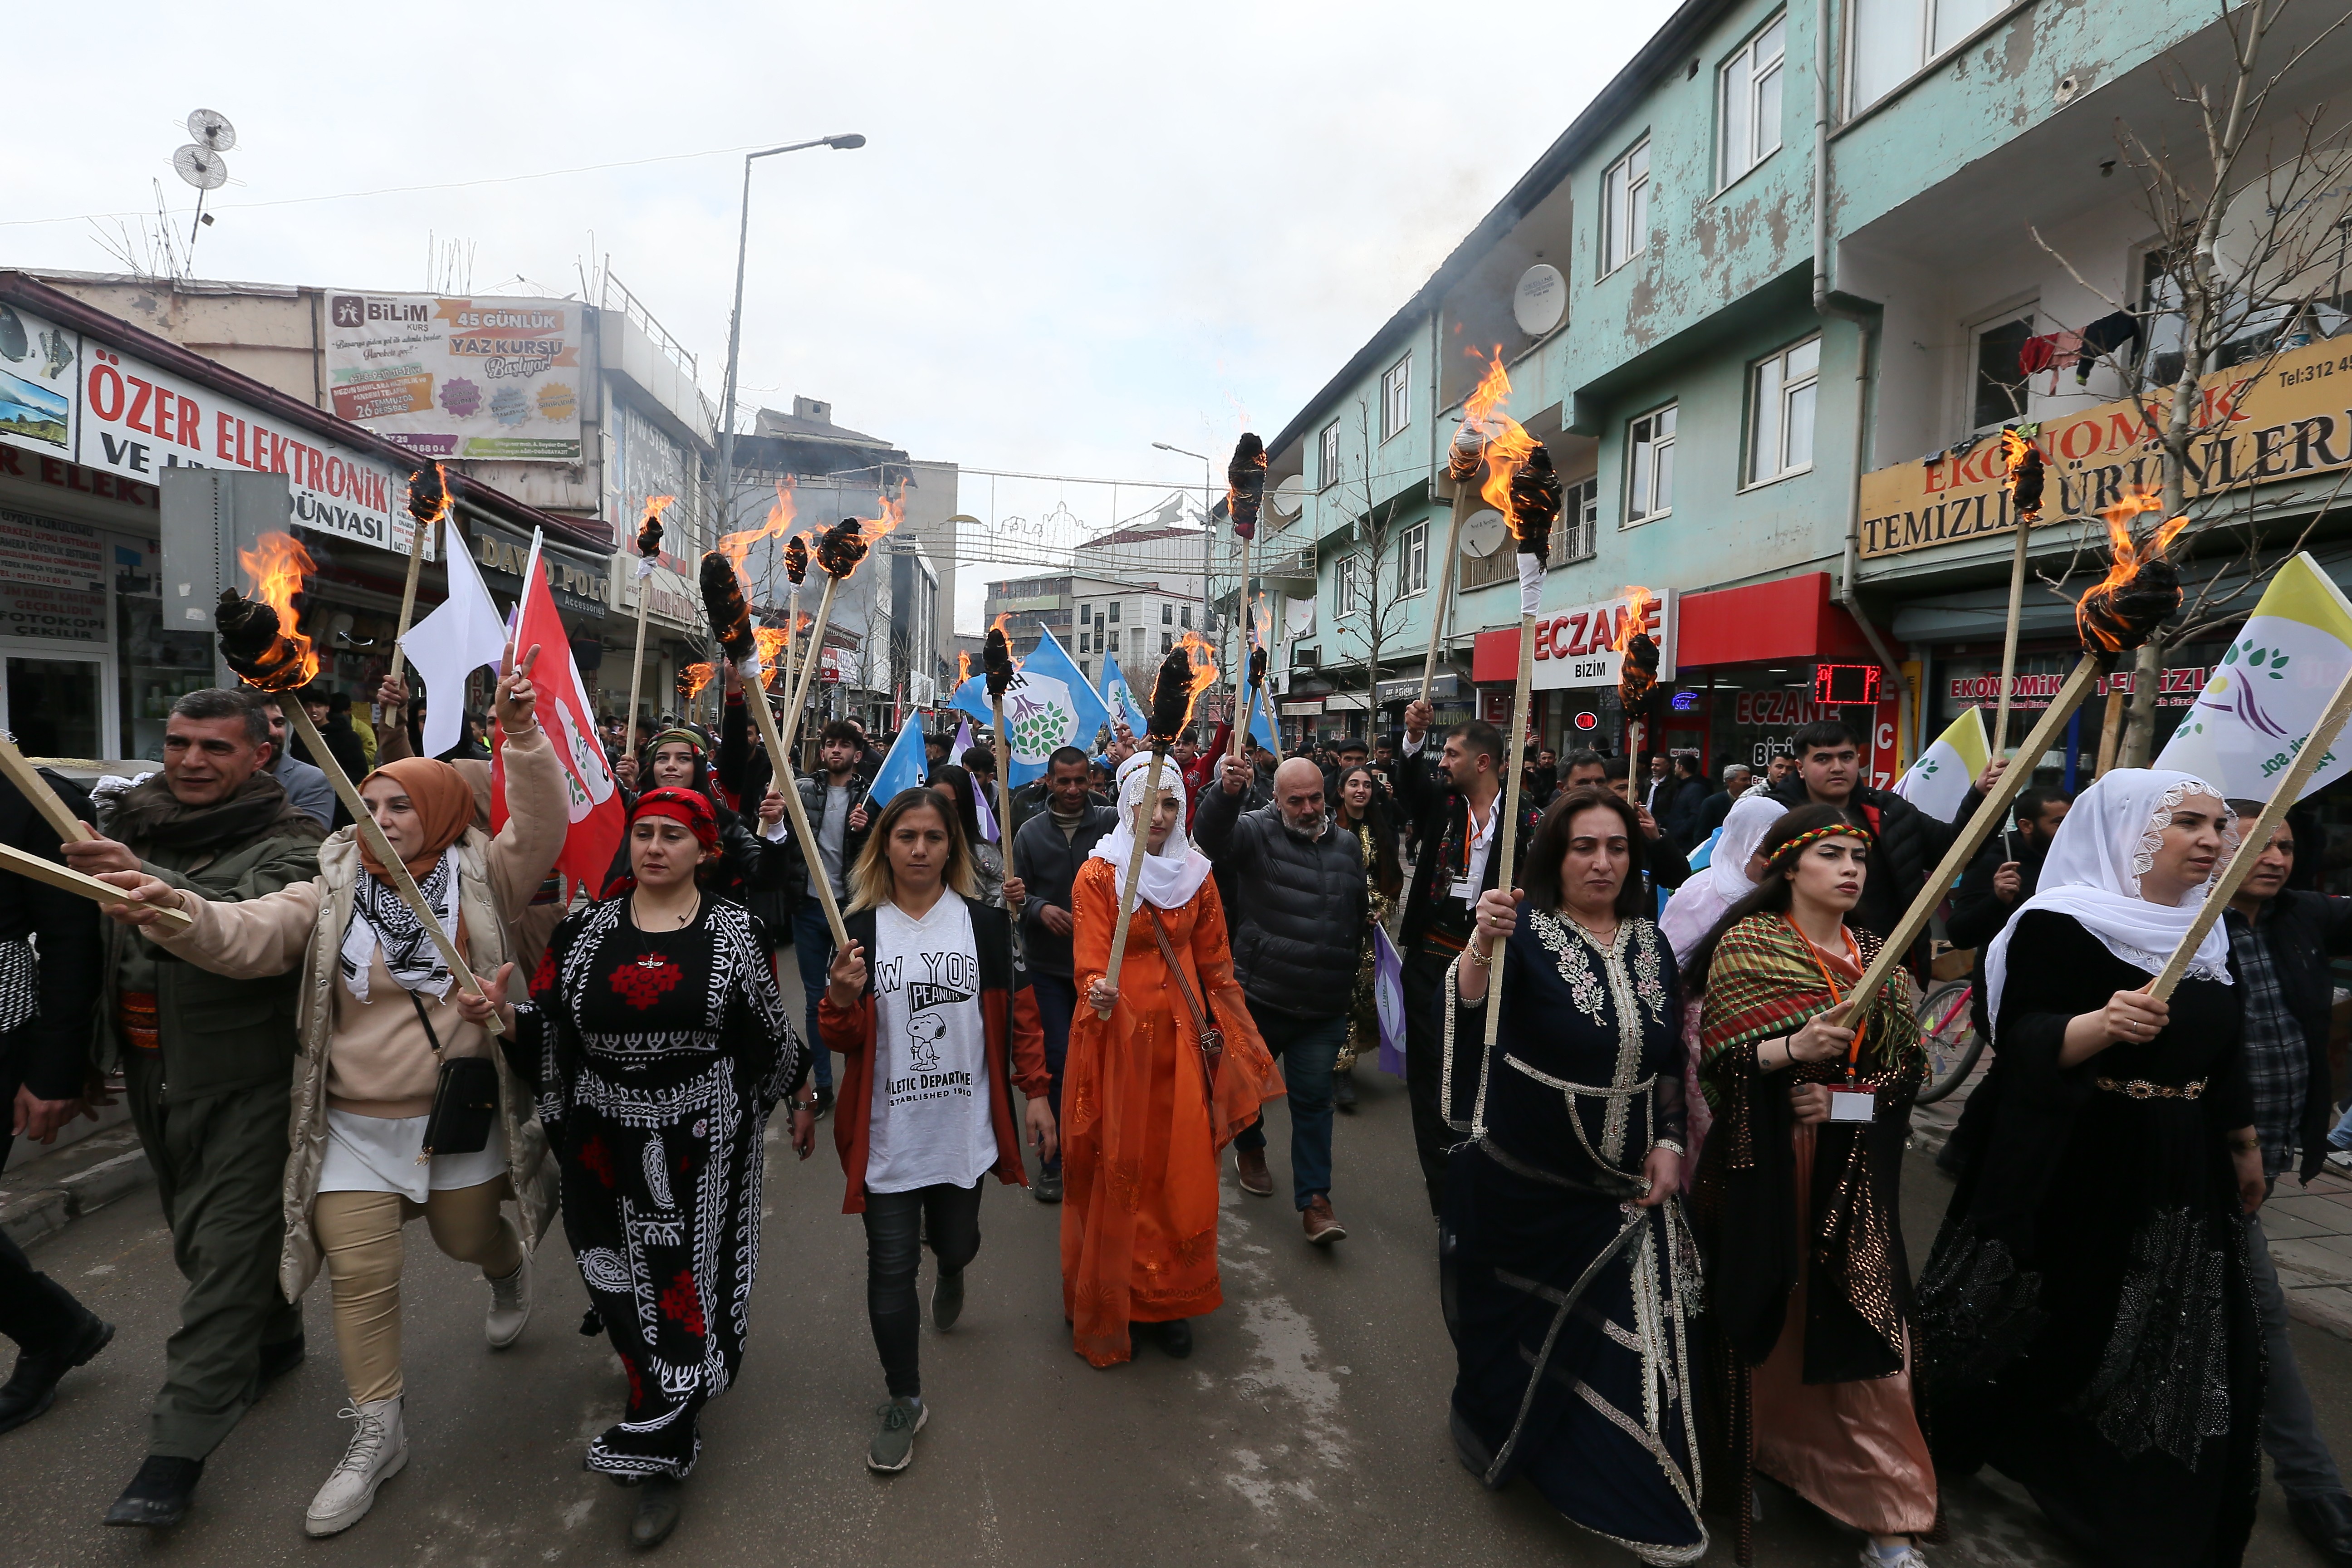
{"x": 1751, "y": 102}
{"x": 1650, "y": 465}
{"x": 1893, "y": 41}
{"x": 1996, "y": 384}
{"x": 1396, "y": 397}
{"x": 1626, "y": 208}
{"x": 1781, "y": 412}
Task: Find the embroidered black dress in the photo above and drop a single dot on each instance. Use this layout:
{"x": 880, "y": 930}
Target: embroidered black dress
{"x": 656, "y": 1056}
{"x": 2086, "y": 1325}
{"x": 1568, "y": 1304}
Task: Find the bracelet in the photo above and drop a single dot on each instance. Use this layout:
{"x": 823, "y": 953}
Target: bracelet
{"x": 1669, "y": 1145}
{"x": 1484, "y": 961}
{"x": 2246, "y": 1146}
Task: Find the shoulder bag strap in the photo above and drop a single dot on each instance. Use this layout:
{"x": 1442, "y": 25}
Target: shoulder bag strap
{"x": 1176, "y": 972}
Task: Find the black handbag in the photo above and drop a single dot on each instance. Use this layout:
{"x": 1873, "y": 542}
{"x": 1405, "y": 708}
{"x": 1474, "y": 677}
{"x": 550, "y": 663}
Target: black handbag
{"x": 465, "y": 1101}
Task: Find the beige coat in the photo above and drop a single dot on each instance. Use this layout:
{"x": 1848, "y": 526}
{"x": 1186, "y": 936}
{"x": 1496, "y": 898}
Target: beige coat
{"x": 304, "y": 924}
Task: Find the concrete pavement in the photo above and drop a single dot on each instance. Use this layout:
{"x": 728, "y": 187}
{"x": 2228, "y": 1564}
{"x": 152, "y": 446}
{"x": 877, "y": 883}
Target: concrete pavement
{"x": 1307, "y": 1428}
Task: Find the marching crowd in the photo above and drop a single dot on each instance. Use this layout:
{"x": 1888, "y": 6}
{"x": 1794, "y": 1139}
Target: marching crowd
{"x": 1665, "y": 1176}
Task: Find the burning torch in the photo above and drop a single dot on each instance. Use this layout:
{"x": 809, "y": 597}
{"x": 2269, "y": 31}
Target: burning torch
{"x": 1172, "y": 691}
{"x": 1244, "y": 498}
{"x": 2023, "y": 461}
{"x": 1463, "y": 459}
{"x": 996, "y": 657}
{"x": 649, "y": 539}
{"x": 255, "y": 644}
{"x": 2140, "y": 592}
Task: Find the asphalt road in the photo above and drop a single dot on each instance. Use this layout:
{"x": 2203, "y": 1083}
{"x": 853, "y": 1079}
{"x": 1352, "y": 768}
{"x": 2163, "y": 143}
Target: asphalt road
{"x": 1308, "y": 1426}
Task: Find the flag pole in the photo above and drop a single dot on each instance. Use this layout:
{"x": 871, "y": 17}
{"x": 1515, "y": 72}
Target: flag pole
{"x": 1461, "y": 501}
{"x": 2023, "y": 460}
{"x": 2253, "y": 840}
{"x": 1143, "y": 814}
{"x": 1506, "y": 828}
{"x": 781, "y": 775}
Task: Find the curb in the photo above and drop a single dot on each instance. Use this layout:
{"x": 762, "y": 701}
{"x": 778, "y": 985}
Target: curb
{"x": 34, "y": 1212}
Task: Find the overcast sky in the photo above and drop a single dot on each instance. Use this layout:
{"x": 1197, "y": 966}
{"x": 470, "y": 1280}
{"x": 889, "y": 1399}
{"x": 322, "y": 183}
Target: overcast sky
{"x": 1074, "y": 231}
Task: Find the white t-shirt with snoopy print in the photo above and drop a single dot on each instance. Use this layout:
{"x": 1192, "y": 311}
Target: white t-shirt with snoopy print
{"x": 930, "y": 1058}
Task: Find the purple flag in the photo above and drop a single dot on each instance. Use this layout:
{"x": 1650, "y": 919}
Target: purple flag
{"x": 1388, "y": 996}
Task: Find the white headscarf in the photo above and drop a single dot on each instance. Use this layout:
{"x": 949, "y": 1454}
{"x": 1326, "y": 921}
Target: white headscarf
{"x": 1698, "y": 903}
{"x": 2107, "y": 843}
{"x": 1172, "y": 873}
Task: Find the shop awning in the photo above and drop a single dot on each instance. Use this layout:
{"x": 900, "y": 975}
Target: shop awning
{"x": 1790, "y": 618}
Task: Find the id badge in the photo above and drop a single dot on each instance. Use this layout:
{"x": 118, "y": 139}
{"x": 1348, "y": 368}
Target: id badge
{"x": 1852, "y": 1105}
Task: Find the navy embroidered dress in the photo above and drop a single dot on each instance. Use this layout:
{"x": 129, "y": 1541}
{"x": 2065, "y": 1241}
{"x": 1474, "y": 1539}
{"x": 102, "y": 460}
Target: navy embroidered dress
{"x": 656, "y": 1056}
{"x": 1568, "y": 1306}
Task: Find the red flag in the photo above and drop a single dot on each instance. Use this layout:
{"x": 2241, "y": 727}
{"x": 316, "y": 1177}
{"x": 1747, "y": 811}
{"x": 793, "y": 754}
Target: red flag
{"x": 595, "y": 801}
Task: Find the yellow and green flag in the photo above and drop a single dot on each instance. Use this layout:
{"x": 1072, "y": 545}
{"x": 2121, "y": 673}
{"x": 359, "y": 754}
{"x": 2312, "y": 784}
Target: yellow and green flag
{"x": 2261, "y": 700}
{"x": 1940, "y": 779}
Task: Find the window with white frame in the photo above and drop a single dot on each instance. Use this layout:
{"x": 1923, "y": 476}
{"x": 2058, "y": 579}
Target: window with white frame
{"x": 1413, "y": 560}
{"x": 1184, "y": 617}
{"x": 1167, "y": 613}
{"x": 1893, "y": 41}
{"x": 1396, "y": 397}
{"x": 1346, "y": 590}
{"x": 1649, "y": 465}
{"x": 1114, "y": 611}
{"x": 1579, "y": 517}
{"x": 1997, "y": 385}
{"x": 1327, "y": 457}
{"x": 1751, "y": 102}
{"x": 1781, "y": 412}
{"x": 1626, "y": 208}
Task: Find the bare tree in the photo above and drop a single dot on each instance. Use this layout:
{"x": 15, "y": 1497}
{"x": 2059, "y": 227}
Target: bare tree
{"x": 1365, "y": 606}
{"x": 2255, "y": 260}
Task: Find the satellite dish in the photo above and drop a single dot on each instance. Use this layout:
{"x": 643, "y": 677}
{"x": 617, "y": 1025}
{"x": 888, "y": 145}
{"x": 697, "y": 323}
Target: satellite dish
{"x": 201, "y": 167}
{"x": 1483, "y": 534}
{"x": 1290, "y": 498}
{"x": 2288, "y": 235}
{"x": 212, "y": 130}
{"x": 1540, "y": 301}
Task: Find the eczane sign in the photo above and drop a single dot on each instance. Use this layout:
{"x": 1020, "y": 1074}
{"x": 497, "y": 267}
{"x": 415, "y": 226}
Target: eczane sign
{"x": 1576, "y": 647}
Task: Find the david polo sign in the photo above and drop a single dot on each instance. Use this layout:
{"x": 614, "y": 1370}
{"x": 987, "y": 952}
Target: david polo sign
{"x": 2291, "y": 419}
{"x": 1576, "y": 646}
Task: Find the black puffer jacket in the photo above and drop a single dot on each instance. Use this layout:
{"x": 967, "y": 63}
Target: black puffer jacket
{"x": 1047, "y": 864}
{"x": 1299, "y": 925}
{"x": 1909, "y": 844}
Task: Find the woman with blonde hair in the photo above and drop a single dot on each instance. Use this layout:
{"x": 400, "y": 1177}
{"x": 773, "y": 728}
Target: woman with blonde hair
{"x": 1151, "y": 1095}
{"x": 380, "y": 1015}
{"x": 935, "y": 1027}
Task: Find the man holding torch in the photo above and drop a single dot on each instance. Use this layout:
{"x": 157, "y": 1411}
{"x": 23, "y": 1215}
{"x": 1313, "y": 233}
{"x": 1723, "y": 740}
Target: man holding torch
{"x": 208, "y": 1064}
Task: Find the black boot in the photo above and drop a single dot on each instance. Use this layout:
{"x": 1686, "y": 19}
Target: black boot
{"x": 1343, "y": 1091}
{"x": 32, "y": 1387}
{"x": 658, "y": 1511}
{"x": 1176, "y": 1337}
{"x": 2326, "y": 1522}
{"x": 157, "y": 1495}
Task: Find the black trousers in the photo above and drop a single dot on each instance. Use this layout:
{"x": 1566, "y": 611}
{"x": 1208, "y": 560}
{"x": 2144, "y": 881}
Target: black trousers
{"x": 896, "y": 1226}
{"x": 36, "y": 1312}
{"x": 1425, "y": 1035}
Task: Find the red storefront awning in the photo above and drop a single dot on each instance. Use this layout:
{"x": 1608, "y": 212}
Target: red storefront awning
{"x": 1788, "y": 619}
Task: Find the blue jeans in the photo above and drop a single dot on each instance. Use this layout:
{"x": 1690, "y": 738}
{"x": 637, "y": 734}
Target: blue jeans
{"x": 2340, "y": 1136}
{"x": 813, "y": 945}
{"x": 1057, "y": 1004}
{"x": 1306, "y": 1048}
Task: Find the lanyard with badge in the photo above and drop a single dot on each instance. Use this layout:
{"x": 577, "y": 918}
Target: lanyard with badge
{"x": 1853, "y": 1102}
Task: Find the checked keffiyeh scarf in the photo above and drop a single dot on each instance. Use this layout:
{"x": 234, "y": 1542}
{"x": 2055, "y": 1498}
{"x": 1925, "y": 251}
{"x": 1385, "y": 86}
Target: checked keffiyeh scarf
{"x": 381, "y": 918}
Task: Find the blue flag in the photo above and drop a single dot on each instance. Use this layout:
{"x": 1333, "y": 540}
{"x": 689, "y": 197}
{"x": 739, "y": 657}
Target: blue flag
{"x": 1261, "y": 725}
{"x": 1049, "y": 705}
{"x": 1120, "y": 698}
{"x": 903, "y": 768}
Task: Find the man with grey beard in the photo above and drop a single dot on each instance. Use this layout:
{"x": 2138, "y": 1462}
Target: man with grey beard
{"x": 1297, "y": 916}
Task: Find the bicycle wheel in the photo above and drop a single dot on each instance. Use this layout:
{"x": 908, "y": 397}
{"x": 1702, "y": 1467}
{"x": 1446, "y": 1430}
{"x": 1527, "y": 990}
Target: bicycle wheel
{"x": 1947, "y": 1029}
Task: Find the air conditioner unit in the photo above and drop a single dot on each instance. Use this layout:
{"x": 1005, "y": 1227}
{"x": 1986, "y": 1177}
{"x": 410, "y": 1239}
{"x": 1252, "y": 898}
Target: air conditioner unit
{"x": 1306, "y": 658}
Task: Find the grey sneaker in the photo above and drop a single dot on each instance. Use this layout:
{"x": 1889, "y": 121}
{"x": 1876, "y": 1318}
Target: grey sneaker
{"x": 947, "y": 1300}
{"x": 378, "y": 1448}
{"x": 893, "y": 1447}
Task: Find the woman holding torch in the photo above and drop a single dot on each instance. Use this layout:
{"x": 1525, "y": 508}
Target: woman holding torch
{"x": 1150, "y": 1095}
{"x": 381, "y": 1014}
{"x": 1797, "y": 1194}
{"x": 2087, "y": 1323}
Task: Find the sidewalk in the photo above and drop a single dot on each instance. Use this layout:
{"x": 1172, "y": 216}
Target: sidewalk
{"x": 43, "y": 1195}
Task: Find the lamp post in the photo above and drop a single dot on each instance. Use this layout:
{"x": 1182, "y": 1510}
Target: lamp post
{"x": 1208, "y": 543}
{"x": 735, "y": 321}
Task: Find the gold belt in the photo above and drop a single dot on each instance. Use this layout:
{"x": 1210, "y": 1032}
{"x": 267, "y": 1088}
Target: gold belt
{"x": 2140, "y": 1088}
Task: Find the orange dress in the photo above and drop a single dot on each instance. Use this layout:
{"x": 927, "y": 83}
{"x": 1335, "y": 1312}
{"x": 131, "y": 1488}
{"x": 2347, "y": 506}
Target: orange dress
{"x": 1142, "y": 1125}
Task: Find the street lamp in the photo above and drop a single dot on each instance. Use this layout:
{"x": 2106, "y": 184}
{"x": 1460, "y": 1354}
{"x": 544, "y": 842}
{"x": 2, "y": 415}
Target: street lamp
{"x": 1208, "y": 536}
{"x": 735, "y": 321}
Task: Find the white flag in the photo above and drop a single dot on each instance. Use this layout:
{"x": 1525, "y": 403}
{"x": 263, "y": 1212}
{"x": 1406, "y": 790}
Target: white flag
{"x": 461, "y": 637}
{"x": 1940, "y": 779}
{"x": 2271, "y": 687}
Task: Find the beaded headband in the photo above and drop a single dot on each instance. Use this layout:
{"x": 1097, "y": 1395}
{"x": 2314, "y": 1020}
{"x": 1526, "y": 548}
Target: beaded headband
{"x": 1796, "y": 846}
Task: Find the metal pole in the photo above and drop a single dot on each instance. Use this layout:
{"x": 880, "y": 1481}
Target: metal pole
{"x": 734, "y": 348}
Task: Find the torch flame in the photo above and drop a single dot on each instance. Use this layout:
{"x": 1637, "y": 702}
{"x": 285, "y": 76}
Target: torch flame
{"x": 2094, "y": 613}
{"x": 1507, "y": 443}
{"x": 772, "y": 641}
{"x": 963, "y": 667}
{"x": 1636, "y": 618}
{"x": 736, "y": 546}
{"x": 1203, "y": 657}
{"x": 2013, "y": 447}
{"x": 693, "y": 679}
{"x": 893, "y": 514}
{"x": 277, "y": 565}
{"x": 656, "y": 505}
{"x": 1494, "y": 389}
{"x": 440, "y": 512}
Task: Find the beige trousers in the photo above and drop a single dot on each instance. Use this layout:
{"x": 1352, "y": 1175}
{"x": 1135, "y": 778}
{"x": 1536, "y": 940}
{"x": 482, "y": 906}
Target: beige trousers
{"x": 360, "y": 1234}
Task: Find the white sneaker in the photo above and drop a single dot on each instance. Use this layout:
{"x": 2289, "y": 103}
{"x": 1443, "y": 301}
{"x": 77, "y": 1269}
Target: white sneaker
{"x": 509, "y": 1306}
{"x": 378, "y": 1448}
{"x": 2341, "y": 1159}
